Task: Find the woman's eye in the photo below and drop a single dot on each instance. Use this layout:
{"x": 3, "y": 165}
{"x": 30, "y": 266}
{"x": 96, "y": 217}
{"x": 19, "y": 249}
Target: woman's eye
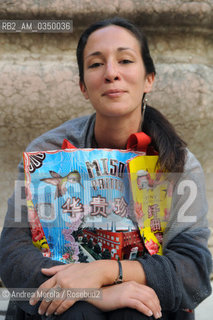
{"x": 125, "y": 61}
{"x": 95, "y": 65}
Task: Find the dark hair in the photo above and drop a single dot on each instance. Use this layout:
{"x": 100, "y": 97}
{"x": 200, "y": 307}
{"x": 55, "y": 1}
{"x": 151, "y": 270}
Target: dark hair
{"x": 170, "y": 146}
{"x": 165, "y": 140}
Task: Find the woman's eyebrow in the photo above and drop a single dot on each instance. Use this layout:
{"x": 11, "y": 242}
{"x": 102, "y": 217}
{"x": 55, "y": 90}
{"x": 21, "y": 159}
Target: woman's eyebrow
{"x": 125, "y": 48}
{"x": 98, "y": 53}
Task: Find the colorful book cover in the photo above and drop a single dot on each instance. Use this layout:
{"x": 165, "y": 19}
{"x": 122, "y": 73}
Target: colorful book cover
{"x": 80, "y": 204}
{"x": 152, "y": 196}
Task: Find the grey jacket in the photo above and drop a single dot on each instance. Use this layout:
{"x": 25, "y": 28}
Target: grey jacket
{"x": 180, "y": 277}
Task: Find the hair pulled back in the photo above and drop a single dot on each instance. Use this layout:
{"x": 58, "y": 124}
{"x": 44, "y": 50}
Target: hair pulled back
{"x": 165, "y": 140}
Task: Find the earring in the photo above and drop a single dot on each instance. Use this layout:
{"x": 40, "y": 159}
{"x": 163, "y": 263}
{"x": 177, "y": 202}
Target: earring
{"x": 145, "y": 100}
{"x": 144, "y": 104}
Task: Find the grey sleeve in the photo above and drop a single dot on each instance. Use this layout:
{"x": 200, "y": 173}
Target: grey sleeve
{"x": 181, "y": 277}
{"x": 20, "y": 260}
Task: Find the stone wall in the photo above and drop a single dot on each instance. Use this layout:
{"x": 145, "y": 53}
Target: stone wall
{"x": 39, "y": 77}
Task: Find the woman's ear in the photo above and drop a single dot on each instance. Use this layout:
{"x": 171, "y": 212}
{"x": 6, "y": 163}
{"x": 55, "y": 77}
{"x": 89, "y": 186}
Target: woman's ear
{"x": 149, "y": 82}
{"x": 83, "y": 89}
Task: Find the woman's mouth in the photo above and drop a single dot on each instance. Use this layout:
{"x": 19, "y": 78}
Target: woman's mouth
{"x": 114, "y": 93}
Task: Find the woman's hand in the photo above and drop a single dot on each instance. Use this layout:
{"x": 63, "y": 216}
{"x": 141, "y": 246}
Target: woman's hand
{"x": 76, "y": 275}
{"x": 95, "y": 275}
{"x": 129, "y": 294}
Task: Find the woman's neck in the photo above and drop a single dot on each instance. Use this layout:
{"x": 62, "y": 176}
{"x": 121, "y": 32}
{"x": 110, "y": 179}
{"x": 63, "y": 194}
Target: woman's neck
{"x": 113, "y": 133}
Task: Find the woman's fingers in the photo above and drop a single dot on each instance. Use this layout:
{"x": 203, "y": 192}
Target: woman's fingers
{"x": 150, "y": 303}
{"x": 64, "y": 306}
{"x": 53, "y": 270}
{"x": 138, "y": 305}
{"x": 54, "y": 297}
{"x": 134, "y": 295}
{"x": 148, "y": 296}
{"x": 51, "y": 308}
{"x": 65, "y": 279}
{"x": 42, "y": 290}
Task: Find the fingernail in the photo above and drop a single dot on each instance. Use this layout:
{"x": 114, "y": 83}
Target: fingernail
{"x": 39, "y": 311}
{"x": 31, "y": 302}
{"x": 55, "y": 313}
{"x": 159, "y": 315}
{"x": 150, "y": 313}
{"x": 46, "y": 314}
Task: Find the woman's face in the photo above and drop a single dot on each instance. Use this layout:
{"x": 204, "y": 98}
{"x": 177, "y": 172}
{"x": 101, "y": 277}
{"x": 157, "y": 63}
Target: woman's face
{"x": 114, "y": 73}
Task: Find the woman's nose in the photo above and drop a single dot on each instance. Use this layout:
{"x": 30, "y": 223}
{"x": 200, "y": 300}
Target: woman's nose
{"x": 111, "y": 72}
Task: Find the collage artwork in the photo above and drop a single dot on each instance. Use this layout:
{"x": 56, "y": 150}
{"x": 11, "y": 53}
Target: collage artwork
{"x": 89, "y": 204}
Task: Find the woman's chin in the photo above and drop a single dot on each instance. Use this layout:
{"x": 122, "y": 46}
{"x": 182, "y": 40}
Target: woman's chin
{"x": 116, "y": 111}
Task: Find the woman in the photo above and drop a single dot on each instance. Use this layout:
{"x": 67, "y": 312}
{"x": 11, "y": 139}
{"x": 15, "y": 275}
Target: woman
{"x": 116, "y": 71}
